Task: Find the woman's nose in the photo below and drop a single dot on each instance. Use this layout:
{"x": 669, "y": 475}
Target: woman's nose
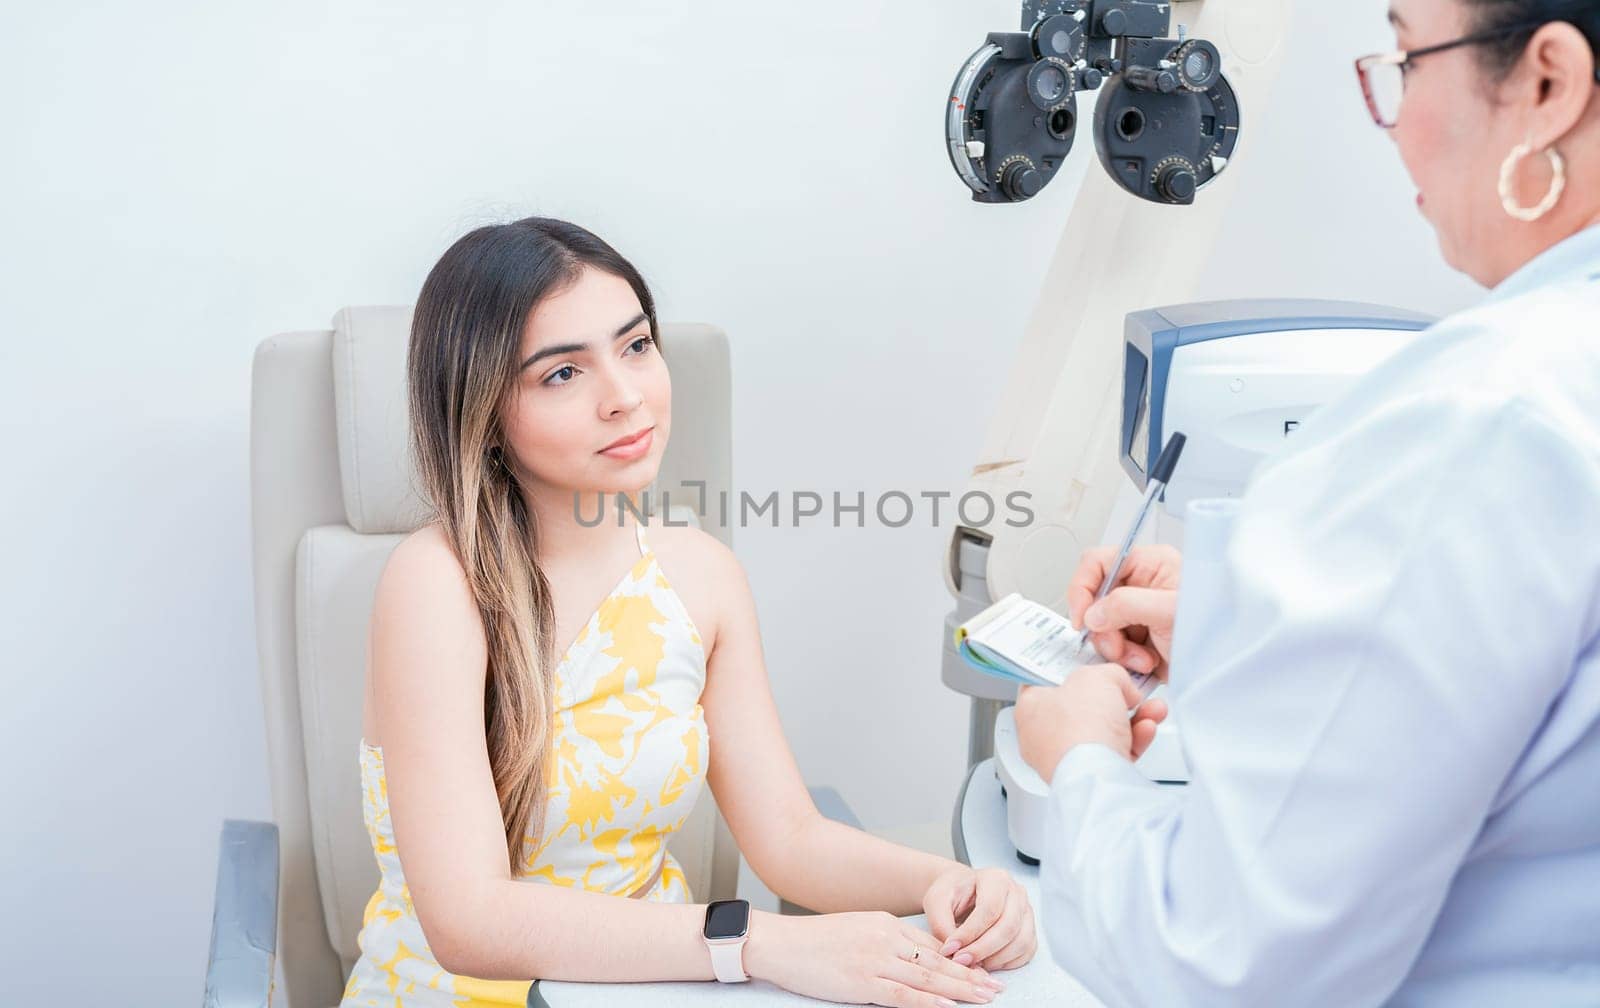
{"x": 621, "y": 395}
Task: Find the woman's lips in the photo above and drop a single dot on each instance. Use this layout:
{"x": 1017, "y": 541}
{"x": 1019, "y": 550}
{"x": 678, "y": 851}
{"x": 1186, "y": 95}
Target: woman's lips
{"x": 632, "y": 448}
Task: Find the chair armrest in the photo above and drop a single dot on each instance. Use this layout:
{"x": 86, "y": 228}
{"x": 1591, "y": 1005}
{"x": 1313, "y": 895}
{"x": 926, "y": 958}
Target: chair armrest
{"x": 244, "y": 921}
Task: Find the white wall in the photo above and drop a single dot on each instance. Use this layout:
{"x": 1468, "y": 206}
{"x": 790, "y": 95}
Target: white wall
{"x": 180, "y": 180}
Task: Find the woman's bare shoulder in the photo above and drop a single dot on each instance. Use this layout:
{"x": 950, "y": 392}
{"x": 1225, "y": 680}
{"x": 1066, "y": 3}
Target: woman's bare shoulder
{"x": 691, "y": 551}
{"x": 426, "y": 645}
{"x": 424, "y": 559}
{"x": 424, "y": 589}
{"x": 703, "y": 570}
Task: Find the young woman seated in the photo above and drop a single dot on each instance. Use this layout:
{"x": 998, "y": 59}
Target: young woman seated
{"x": 548, "y": 693}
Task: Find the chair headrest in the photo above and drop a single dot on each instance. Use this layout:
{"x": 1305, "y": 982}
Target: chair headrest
{"x": 369, "y": 386}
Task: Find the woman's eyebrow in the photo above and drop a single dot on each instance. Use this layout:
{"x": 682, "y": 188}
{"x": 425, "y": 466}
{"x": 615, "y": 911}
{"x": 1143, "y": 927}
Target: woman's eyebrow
{"x": 622, "y": 330}
{"x": 551, "y": 351}
{"x": 566, "y": 348}
{"x": 1395, "y": 18}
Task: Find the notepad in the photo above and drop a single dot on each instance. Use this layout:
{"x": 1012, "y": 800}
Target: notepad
{"x": 1021, "y": 641}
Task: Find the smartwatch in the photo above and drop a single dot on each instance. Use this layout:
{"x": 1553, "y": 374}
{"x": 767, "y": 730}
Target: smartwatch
{"x": 727, "y": 927}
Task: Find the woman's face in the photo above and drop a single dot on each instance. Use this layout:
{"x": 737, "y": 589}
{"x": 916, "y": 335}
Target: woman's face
{"x": 1453, "y": 137}
{"x": 591, "y": 406}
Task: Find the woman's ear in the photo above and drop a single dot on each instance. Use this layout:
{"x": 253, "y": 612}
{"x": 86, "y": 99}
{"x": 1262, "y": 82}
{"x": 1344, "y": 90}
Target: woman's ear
{"x": 1560, "y": 68}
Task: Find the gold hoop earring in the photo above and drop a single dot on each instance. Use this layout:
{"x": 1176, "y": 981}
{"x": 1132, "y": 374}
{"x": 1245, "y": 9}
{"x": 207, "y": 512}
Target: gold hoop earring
{"x": 1508, "y": 172}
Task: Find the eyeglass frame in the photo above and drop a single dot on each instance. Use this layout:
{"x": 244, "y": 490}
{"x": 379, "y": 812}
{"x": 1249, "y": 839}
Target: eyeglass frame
{"x": 1404, "y": 57}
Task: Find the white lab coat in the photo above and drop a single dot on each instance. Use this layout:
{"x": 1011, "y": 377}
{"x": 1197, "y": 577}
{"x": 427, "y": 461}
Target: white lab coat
{"x": 1387, "y": 671}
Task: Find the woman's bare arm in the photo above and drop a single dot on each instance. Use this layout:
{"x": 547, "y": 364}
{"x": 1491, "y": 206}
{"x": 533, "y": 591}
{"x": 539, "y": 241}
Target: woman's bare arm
{"x": 802, "y": 856}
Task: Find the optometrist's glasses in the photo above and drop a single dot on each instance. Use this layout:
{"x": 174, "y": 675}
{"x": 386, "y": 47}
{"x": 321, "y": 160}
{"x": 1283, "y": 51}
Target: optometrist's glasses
{"x": 1383, "y": 75}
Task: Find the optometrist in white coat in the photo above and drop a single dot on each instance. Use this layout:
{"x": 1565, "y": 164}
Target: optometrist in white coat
{"x": 1387, "y": 654}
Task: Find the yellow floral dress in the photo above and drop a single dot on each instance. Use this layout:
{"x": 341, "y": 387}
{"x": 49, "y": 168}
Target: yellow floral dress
{"x": 628, "y": 762}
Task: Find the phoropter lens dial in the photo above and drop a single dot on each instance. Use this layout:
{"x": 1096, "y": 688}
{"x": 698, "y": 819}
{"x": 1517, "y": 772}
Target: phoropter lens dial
{"x": 1049, "y": 83}
{"x": 1198, "y": 64}
{"x": 1061, "y": 36}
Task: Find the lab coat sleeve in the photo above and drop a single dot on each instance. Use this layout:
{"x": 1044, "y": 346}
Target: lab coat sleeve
{"x": 1394, "y": 615}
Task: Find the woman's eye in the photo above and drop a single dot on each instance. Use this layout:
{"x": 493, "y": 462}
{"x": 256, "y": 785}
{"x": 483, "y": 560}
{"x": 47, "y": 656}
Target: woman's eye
{"x": 565, "y": 374}
{"x": 641, "y": 344}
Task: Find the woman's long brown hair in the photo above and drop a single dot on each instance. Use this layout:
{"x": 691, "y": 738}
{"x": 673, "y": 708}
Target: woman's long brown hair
{"x": 461, "y": 369}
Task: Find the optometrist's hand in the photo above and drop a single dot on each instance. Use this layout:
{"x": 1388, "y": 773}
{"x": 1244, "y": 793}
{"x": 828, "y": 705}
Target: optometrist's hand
{"x": 861, "y": 958}
{"x": 996, "y": 932}
{"x": 1132, "y": 625}
{"x": 1091, "y": 706}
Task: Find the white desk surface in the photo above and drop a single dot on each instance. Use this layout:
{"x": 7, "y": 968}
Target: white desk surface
{"x": 980, "y": 840}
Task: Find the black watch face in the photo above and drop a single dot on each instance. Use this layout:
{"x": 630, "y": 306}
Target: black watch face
{"x": 727, "y": 919}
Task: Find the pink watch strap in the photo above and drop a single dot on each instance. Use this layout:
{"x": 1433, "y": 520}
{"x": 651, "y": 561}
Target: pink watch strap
{"x": 727, "y": 960}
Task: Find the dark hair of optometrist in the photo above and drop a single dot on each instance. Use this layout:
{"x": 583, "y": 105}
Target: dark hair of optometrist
{"x": 1520, "y": 19}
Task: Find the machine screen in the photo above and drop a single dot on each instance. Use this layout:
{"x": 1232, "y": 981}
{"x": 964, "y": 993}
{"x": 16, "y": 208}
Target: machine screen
{"x": 1136, "y": 396}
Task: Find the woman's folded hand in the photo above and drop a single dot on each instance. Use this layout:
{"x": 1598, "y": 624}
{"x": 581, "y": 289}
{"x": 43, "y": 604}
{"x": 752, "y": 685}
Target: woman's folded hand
{"x": 861, "y": 958}
{"x": 996, "y": 930}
